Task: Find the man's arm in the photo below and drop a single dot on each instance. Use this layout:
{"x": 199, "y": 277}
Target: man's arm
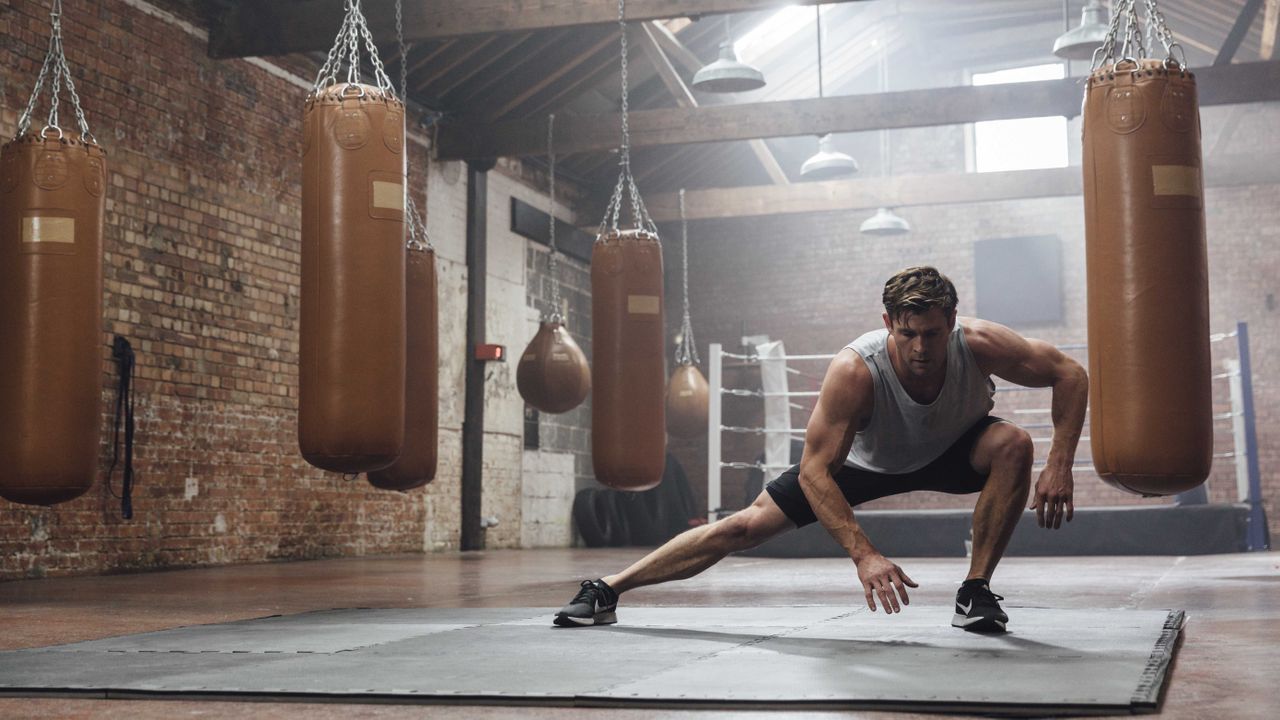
{"x": 1035, "y": 363}
{"x": 844, "y": 406}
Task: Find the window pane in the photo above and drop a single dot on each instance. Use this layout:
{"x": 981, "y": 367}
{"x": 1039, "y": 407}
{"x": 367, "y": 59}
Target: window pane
{"x": 1020, "y": 144}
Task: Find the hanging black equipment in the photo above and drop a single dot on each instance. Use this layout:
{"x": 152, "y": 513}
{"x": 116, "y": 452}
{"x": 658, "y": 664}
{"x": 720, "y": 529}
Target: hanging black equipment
{"x": 122, "y": 353}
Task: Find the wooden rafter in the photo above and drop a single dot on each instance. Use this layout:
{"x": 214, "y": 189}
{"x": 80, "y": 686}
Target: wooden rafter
{"x": 908, "y": 190}
{"x": 1270, "y": 22}
{"x": 1231, "y": 84}
{"x": 684, "y": 98}
{"x": 254, "y": 27}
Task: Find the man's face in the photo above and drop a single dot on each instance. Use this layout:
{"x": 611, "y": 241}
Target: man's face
{"x": 920, "y": 340}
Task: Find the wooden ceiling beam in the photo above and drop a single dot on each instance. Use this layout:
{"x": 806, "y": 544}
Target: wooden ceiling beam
{"x": 254, "y": 27}
{"x": 684, "y": 97}
{"x": 1270, "y": 22}
{"x": 1219, "y": 85}
{"x": 908, "y": 190}
{"x": 1238, "y": 31}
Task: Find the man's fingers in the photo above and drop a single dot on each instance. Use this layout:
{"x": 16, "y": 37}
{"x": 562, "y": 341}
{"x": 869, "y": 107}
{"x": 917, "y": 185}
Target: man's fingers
{"x": 871, "y": 598}
{"x": 887, "y": 601}
{"x": 902, "y": 590}
{"x": 1059, "y": 512}
{"x": 1035, "y": 500}
{"x": 1039, "y": 510}
{"x": 1071, "y": 509}
{"x": 893, "y": 597}
{"x": 907, "y": 579}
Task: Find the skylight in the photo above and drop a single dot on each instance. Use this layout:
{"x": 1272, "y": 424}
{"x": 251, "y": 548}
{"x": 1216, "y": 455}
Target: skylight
{"x": 774, "y": 30}
{"x": 1022, "y": 144}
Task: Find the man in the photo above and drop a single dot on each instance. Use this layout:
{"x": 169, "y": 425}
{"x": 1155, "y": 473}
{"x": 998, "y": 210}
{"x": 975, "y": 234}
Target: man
{"x": 901, "y": 409}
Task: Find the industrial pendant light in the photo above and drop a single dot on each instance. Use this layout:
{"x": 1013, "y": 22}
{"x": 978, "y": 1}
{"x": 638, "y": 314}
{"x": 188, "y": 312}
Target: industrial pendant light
{"x": 1079, "y": 44}
{"x": 885, "y": 222}
{"x": 727, "y": 75}
{"x": 828, "y": 163}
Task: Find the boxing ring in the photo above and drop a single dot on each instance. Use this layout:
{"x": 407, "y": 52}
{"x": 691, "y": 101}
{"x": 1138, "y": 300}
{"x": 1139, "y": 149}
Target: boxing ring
{"x": 1233, "y": 417}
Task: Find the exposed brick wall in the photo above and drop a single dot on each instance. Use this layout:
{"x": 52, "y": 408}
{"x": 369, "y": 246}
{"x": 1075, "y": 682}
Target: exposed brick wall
{"x": 202, "y": 262}
{"x": 815, "y": 283}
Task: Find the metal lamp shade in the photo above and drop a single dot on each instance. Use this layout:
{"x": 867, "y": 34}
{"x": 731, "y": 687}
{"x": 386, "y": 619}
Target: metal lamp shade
{"x": 727, "y": 75}
{"x": 1079, "y": 43}
{"x": 885, "y": 222}
{"x": 828, "y": 163}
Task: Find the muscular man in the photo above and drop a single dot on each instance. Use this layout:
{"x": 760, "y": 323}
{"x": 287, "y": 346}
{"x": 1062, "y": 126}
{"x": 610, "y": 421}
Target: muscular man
{"x": 901, "y": 409}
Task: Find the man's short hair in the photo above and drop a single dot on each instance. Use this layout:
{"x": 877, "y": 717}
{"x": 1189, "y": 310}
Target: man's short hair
{"x": 918, "y": 290}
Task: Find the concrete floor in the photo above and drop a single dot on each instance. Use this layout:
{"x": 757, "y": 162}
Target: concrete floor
{"x": 1226, "y": 666}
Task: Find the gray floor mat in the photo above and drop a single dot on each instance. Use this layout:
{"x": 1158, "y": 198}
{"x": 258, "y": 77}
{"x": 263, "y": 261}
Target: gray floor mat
{"x": 1054, "y": 661}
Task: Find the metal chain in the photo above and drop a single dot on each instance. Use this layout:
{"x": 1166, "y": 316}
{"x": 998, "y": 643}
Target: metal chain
{"x": 1126, "y": 24}
{"x": 56, "y": 59}
{"x": 418, "y": 239}
{"x": 1156, "y": 23}
{"x": 626, "y": 181}
{"x": 1133, "y": 46}
{"x": 1106, "y": 52}
{"x": 687, "y": 348}
{"x": 346, "y": 48}
{"x": 553, "y": 261}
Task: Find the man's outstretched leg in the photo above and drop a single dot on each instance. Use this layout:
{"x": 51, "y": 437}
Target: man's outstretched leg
{"x": 1005, "y": 454}
{"x": 684, "y": 556}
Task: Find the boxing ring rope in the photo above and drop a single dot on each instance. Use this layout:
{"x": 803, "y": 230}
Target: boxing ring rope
{"x": 1237, "y": 372}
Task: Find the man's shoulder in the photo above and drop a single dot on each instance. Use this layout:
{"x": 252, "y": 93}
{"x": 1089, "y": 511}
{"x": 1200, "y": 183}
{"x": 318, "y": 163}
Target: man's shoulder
{"x": 989, "y": 340}
{"x": 850, "y": 370}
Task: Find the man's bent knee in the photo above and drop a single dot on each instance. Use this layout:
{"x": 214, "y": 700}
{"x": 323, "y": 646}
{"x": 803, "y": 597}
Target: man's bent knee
{"x": 751, "y": 526}
{"x": 1011, "y": 445}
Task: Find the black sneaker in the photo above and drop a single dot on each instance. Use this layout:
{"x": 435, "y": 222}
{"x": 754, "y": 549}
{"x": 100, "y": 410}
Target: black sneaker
{"x": 595, "y": 604}
{"x": 978, "y": 609}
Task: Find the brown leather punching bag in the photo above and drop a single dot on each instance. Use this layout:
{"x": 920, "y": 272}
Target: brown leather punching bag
{"x": 52, "y": 201}
{"x": 417, "y": 463}
{"x": 628, "y": 373}
{"x": 1149, "y": 364}
{"x": 687, "y": 395}
{"x": 352, "y": 362}
{"x": 553, "y": 375}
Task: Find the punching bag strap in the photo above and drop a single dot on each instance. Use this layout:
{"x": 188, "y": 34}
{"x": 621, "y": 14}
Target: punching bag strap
{"x": 626, "y": 182}
{"x": 122, "y": 353}
{"x": 686, "y": 348}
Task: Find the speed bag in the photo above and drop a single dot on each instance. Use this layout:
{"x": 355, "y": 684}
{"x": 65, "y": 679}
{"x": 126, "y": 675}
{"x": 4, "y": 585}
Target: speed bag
{"x": 553, "y": 375}
{"x": 628, "y": 374}
{"x": 687, "y": 396}
{"x": 1148, "y": 300}
{"x": 51, "y": 214}
{"x": 417, "y": 463}
{"x": 351, "y": 373}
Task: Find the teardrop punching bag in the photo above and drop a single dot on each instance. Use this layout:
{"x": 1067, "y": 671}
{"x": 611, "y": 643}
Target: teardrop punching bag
{"x": 52, "y": 204}
{"x": 352, "y": 361}
{"x": 416, "y": 465}
{"x": 628, "y": 438}
{"x": 687, "y": 402}
{"x": 1149, "y": 363}
{"x": 553, "y": 375}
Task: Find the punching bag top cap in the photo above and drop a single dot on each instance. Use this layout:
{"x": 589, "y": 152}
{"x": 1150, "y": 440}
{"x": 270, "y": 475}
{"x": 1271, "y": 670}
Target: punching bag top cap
{"x": 34, "y": 138}
{"x": 1145, "y": 66}
{"x": 338, "y": 93}
{"x": 635, "y": 235}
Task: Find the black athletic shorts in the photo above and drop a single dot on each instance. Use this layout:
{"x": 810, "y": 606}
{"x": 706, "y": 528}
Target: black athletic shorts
{"x": 949, "y": 473}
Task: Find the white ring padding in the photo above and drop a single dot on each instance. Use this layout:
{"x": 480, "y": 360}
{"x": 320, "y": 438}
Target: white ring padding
{"x": 762, "y": 431}
{"x": 1213, "y": 338}
{"x": 758, "y": 393}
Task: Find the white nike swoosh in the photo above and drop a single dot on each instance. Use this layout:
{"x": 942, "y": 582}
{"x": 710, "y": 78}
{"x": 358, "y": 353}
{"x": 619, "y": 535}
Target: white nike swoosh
{"x": 966, "y": 608}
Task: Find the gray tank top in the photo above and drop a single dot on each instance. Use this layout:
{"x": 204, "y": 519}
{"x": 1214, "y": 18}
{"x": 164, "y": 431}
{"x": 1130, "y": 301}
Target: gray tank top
{"x": 903, "y": 435}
